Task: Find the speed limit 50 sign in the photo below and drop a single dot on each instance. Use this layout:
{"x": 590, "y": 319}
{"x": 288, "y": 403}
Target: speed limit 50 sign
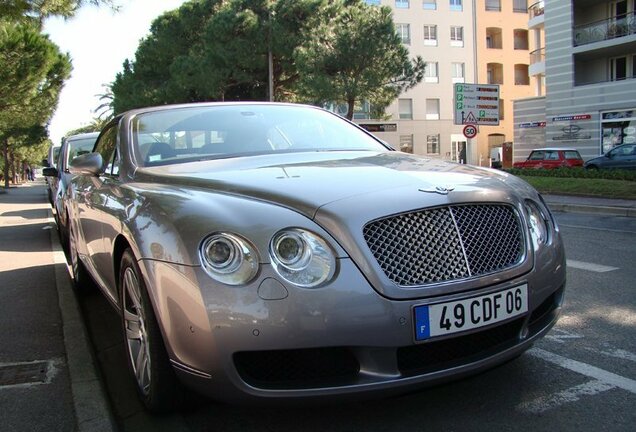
{"x": 470, "y": 131}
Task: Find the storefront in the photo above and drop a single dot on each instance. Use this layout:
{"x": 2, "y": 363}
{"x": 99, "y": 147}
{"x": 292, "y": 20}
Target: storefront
{"x": 617, "y": 127}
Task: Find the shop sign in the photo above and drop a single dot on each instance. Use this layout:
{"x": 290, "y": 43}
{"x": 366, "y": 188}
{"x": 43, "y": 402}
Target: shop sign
{"x": 572, "y": 117}
{"x": 531, "y": 125}
{"x": 618, "y": 115}
{"x": 379, "y": 127}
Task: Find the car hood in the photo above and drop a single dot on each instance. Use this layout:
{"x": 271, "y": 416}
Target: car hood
{"x": 306, "y": 182}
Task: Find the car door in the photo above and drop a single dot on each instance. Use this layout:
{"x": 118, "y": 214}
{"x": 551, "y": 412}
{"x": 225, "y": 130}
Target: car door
{"x": 626, "y": 157}
{"x": 535, "y": 160}
{"x": 93, "y": 201}
{"x": 551, "y": 159}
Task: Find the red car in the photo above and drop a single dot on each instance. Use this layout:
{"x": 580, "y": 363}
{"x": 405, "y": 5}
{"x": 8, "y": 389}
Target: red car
{"x": 551, "y": 158}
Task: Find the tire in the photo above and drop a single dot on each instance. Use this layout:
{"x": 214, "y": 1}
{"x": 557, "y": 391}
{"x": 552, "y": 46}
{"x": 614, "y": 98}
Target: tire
{"x": 63, "y": 231}
{"x": 591, "y": 167}
{"x": 146, "y": 355}
{"x": 81, "y": 278}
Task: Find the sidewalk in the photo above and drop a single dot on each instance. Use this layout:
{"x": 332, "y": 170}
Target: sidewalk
{"x": 48, "y": 377}
{"x": 591, "y": 205}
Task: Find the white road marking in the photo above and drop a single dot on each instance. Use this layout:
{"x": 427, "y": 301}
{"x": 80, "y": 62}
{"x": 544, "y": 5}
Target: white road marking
{"x": 616, "y": 353}
{"x": 561, "y": 336}
{"x": 598, "y": 268}
{"x": 586, "y": 369}
{"x": 572, "y": 394}
{"x": 602, "y": 381}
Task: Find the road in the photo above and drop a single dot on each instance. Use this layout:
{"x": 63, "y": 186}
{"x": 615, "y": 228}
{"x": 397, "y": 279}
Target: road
{"x": 582, "y": 377}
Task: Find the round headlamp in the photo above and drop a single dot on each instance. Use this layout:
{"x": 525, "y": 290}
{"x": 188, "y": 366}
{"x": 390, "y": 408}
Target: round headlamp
{"x": 302, "y": 257}
{"x": 228, "y": 258}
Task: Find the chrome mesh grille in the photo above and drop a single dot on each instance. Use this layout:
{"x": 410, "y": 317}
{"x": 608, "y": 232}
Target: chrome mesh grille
{"x": 446, "y": 243}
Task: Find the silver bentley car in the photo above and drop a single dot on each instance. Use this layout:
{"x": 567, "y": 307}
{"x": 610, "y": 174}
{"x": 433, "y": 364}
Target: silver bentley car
{"x": 260, "y": 251}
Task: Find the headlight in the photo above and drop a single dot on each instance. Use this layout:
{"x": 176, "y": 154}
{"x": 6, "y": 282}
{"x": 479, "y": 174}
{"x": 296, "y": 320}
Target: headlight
{"x": 538, "y": 225}
{"x": 228, "y": 258}
{"x": 301, "y": 257}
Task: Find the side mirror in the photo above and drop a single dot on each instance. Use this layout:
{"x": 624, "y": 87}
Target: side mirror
{"x": 87, "y": 164}
{"x": 50, "y": 172}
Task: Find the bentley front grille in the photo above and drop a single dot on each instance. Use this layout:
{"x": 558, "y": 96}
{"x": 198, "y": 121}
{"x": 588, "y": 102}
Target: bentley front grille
{"x": 447, "y": 243}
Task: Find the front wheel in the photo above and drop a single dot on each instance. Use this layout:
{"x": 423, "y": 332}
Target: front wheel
{"x": 147, "y": 359}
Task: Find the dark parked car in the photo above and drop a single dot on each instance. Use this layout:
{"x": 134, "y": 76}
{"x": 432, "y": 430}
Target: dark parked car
{"x": 274, "y": 251}
{"x": 59, "y": 176}
{"x": 620, "y": 157}
{"x": 51, "y": 162}
{"x": 551, "y": 158}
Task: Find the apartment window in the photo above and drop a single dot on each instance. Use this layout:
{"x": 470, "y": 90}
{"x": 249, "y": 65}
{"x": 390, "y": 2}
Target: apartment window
{"x": 494, "y": 72}
{"x": 401, "y": 4}
{"x": 404, "y": 32}
{"x": 457, "y": 72}
{"x": 431, "y": 73}
{"x": 406, "y": 143}
{"x": 493, "y": 38}
{"x": 457, "y": 36}
{"x": 430, "y": 35}
{"x": 520, "y": 39}
{"x": 456, "y": 5}
{"x": 521, "y": 74}
{"x": 432, "y": 109}
{"x": 405, "y": 108}
{"x": 429, "y": 4}
{"x": 622, "y": 67}
{"x": 493, "y": 5}
{"x": 520, "y": 6}
{"x": 432, "y": 144}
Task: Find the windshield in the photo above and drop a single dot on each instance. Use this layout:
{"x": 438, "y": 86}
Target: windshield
{"x": 208, "y": 132}
{"x": 79, "y": 147}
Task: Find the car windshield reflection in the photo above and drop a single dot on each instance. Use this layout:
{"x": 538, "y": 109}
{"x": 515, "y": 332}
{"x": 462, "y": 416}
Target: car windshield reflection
{"x": 206, "y": 132}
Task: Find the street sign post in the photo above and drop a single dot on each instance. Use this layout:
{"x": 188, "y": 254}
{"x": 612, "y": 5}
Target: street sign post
{"x": 476, "y": 104}
{"x": 470, "y": 131}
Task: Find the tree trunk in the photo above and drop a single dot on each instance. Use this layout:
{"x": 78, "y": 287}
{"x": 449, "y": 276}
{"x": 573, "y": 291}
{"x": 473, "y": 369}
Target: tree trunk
{"x": 350, "y": 108}
{"x": 5, "y": 155}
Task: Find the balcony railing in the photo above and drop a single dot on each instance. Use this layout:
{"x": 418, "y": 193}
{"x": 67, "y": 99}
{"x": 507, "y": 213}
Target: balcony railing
{"x": 606, "y": 29}
{"x": 537, "y": 56}
{"x": 537, "y": 9}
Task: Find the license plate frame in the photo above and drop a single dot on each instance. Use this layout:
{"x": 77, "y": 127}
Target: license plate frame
{"x": 440, "y": 319}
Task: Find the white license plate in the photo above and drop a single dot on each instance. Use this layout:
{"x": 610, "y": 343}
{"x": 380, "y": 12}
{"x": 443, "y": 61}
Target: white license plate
{"x": 458, "y": 316}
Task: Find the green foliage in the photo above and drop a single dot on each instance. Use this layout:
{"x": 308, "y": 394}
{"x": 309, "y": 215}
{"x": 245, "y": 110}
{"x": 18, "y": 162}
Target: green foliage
{"x": 603, "y": 188}
{"x": 608, "y": 174}
{"x": 32, "y": 72}
{"x": 36, "y": 11}
{"x": 322, "y": 51}
{"x": 356, "y": 55}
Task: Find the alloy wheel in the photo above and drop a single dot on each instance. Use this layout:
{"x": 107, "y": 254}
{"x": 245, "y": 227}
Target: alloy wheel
{"x": 136, "y": 331}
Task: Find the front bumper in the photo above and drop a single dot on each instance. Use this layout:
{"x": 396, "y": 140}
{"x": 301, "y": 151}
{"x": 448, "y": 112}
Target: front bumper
{"x": 237, "y": 344}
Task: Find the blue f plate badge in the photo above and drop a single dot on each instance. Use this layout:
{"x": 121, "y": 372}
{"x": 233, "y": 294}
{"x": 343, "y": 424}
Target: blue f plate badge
{"x": 466, "y": 314}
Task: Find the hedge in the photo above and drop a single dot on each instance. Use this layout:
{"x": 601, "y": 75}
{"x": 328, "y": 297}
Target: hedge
{"x": 608, "y": 174}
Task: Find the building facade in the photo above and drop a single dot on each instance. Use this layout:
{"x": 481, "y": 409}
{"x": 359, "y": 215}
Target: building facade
{"x": 590, "y": 92}
{"x": 503, "y": 58}
{"x": 461, "y": 41}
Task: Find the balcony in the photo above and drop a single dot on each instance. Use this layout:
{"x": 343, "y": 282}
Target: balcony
{"x": 537, "y": 62}
{"x": 536, "y": 15}
{"x": 537, "y": 56}
{"x": 611, "y": 28}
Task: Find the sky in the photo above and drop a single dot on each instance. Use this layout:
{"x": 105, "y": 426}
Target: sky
{"x": 98, "y": 41}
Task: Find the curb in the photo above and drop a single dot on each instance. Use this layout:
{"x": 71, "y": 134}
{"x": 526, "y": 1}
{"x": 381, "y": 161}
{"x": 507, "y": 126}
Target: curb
{"x": 592, "y": 209}
{"x": 92, "y": 409}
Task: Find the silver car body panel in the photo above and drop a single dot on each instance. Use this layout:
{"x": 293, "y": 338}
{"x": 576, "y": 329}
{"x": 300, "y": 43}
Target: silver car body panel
{"x": 163, "y": 213}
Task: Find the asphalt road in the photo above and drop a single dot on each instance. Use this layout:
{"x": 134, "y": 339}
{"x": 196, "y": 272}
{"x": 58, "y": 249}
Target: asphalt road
{"x": 582, "y": 377}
